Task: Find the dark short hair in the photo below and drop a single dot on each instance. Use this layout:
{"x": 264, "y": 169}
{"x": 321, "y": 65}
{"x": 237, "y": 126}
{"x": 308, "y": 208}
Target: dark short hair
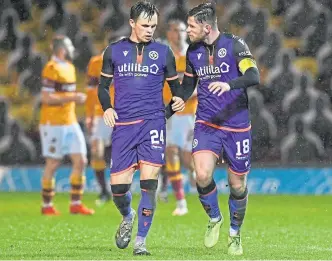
{"x": 58, "y": 42}
{"x": 143, "y": 7}
{"x": 205, "y": 12}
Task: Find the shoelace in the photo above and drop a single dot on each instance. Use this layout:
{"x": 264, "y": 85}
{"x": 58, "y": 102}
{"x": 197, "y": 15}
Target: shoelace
{"x": 124, "y": 227}
{"x": 236, "y": 241}
{"x": 210, "y": 226}
{"x": 140, "y": 246}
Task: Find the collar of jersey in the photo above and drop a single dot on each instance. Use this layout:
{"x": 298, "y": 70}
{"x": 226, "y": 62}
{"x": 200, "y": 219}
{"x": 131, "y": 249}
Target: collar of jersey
{"x": 144, "y": 44}
{"x": 57, "y": 60}
{"x": 215, "y": 41}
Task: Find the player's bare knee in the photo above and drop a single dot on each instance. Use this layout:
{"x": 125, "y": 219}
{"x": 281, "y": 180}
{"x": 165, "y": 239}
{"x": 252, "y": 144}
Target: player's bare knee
{"x": 97, "y": 150}
{"x": 203, "y": 178}
{"x": 172, "y": 154}
{"x": 52, "y": 165}
{"x": 172, "y": 150}
{"x": 123, "y": 178}
{"x": 149, "y": 171}
{"x": 93, "y": 149}
{"x": 97, "y": 155}
{"x": 203, "y": 182}
{"x": 238, "y": 187}
{"x": 188, "y": 161}
{"x": 79, "y": 163}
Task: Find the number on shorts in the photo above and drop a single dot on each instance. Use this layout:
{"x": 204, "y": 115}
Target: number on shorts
{"x": 245, "y": 147}
{"x": 156, "y": 138}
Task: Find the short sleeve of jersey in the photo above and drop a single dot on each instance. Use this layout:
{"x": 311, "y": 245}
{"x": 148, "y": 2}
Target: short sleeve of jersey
{"x": 242, "y": 54}
{"x": 49, "y": 77}
{"x": 170, "y": 69}
{"x": 189, "y": 67}
{"x": 93, "y": 72}
{"x": 50, "y": 72}
{"x": 107, "y": 68}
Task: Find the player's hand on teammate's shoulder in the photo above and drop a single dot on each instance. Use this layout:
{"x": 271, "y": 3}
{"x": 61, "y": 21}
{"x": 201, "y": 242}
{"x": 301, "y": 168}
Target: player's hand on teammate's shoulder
{"x": 80, "y": 97}
{"x": 219, "y": 87}
{"x": 110, "y": 116}
{"x": 178, "y": 104}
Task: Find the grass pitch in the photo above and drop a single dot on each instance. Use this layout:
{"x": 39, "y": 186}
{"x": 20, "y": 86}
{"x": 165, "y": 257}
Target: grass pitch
{"x": 276, "y": 227}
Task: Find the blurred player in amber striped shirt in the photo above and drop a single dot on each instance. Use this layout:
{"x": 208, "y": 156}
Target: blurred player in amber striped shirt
{"x": 100, "y": 133}
{"x": 180, "y": 126}
{"x": 60, "y": 133}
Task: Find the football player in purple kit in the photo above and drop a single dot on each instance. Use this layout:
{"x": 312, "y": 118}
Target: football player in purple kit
{"x": 139, "y": 66}
{"x": 224, "y": 67}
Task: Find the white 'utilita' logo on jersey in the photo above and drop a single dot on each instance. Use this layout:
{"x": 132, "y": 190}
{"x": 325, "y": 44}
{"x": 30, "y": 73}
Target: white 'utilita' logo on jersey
{"x": 213, "y": 70}
{"x": 136, "y": 69}
{"x": 153, "y": 55}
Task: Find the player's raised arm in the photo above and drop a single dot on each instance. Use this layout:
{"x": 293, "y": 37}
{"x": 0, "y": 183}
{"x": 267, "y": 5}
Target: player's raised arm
{"x": 188, "y": 86}
{"x": 246, "y": 65}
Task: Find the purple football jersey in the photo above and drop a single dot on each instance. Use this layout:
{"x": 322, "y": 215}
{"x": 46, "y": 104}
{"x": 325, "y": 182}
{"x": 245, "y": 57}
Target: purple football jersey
{"x": 220, "y": 62}
{"x": 139, "y": 71}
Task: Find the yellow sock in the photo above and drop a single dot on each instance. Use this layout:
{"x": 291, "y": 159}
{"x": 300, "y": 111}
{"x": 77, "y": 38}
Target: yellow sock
{"x": 77, "y": 182}
{"x": 98, "y": 164}
{"x": 48, "y": 190}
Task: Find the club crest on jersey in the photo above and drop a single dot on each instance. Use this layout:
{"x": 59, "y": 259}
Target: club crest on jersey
{"x": 222, "y": 52}
{"x": 125, "y": 53}
{"x": 199, "y": 56}
{"x": 153, "y": 55}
